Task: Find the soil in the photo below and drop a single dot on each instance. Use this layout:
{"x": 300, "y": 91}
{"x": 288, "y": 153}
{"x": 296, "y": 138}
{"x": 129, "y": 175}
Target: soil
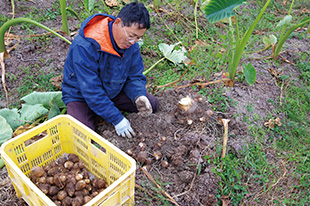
{"x": 188, "y": 178}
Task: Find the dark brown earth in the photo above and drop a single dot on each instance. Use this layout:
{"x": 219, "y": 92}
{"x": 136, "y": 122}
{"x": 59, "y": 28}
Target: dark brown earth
{"x": 188, "y": 179}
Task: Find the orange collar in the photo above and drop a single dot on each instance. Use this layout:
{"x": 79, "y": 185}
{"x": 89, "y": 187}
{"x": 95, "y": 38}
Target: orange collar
{"x": 98, "y": 29}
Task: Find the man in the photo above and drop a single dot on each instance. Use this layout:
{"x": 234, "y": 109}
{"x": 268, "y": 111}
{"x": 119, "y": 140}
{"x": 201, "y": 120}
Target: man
{"x": 103, "y": 70}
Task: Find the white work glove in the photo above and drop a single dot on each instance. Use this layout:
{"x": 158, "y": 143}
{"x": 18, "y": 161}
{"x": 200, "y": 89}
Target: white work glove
{"x": 144, "y": 106}
{"x": 123, "y": 129}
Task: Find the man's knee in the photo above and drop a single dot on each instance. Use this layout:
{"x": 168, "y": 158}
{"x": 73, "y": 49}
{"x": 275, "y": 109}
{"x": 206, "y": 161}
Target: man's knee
{"x": 154, "y": 102}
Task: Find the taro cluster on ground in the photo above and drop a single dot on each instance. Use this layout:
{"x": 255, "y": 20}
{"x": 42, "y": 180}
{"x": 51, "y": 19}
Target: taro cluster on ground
{"x": 67, "y": 182}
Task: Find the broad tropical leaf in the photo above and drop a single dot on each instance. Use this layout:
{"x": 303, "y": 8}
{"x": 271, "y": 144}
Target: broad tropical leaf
{"x": 176, "y": 56}
{"x": 217, "y": 10}
{"x": 32, "y": 112}
{"x": 249, "y": 73}
{"x": 54, "y": 110}
{"x": 5, "y": 130}
{"x": 44, "y": 98}
{"x": 12, "y": 117}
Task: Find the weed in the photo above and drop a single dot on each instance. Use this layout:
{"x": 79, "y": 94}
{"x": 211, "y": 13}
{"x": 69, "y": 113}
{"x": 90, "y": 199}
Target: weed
{"x": 32, "y": 83}
{"x": 304, "y": 67}
{"x": 216, "y": 98}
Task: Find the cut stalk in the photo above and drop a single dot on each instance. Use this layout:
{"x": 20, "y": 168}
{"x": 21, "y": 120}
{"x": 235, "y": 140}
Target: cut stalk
{"x": 225, "y": 137}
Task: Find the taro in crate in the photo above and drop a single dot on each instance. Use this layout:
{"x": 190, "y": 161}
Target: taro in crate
{"x": 66, "y": 181}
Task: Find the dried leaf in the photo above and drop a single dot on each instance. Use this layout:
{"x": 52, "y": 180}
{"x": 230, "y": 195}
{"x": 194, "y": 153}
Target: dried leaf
{"x": 305, "y": 10}
{"x": 269, "y": 124}
{"x": 111, "y": 3}
{"x": 21, "y": 129}
{"x": 229, "y": 83}
{"x": 277, "y": 121}
{"x": 225, "y": 200}
{"x": 272, "y": 122}
{"x": 57, "y": 81}
{"x": 275, "y": 72}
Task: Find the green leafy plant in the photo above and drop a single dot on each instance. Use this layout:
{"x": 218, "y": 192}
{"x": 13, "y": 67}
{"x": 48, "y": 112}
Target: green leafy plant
{"x": 173, "y": 55}
{"x": 284, "y": 36}
{"x": 37, "y": 104}
{"x": 217, "y": 10}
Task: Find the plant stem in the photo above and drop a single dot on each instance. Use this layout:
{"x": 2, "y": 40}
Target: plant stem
{"x": 286, "y": 36}
{"x": 12, "y": 22}
{"x": 65, "y": 27}
{"x": 147, "y": 71}
{"x": 195, "y": 14}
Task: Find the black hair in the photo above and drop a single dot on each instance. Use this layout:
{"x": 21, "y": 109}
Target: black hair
{"x": 134, "y": 13}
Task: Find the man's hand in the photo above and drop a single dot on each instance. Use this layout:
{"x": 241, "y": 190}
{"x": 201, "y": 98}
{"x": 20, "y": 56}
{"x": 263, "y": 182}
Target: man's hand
{"x": 123, "y": 129}
{"x": 144, "y": 106}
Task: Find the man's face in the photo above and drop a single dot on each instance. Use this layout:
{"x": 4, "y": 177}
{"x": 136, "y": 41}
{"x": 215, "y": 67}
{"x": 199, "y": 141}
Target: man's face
{"x": 126, "y": 36}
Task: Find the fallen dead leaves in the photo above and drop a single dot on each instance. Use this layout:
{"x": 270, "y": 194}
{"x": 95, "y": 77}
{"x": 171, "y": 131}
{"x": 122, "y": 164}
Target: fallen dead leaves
{"x": 272, "y": 122}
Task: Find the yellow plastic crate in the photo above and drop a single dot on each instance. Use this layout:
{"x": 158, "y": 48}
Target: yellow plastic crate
{"x": 64, "y": 134}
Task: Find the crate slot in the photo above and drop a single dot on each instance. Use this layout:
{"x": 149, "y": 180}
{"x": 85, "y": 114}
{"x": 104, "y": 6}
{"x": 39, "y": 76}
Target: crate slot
{"x": 57, "y": 149}
{"x": 99, "y": 170}
{"x": 116, "y": 169}
{"x": 79, "y": 133}
{"x": 47, "y": 155}
{"x": 25, "y": 168}
{"x": 118, "y": 162}
{"x": 55, "y": 139}
{"x": 102, "y": 149}
{"x": 22, "y": 159}
{"x": 19, "y": 149}
{"x": 37, "y": 161}
{"x": 81, "y": 152}
{"x": 82, "y": 143}
{"x": 53, "y": 130}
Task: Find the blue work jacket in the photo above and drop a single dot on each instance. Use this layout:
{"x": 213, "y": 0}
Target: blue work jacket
{"x": 95, "y": 73}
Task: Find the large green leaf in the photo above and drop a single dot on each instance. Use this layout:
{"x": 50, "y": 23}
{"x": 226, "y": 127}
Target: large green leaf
{"x": 249, "y": 73}
{"x": 44, "y": 98}
{"x": 54, "y": 110}
{"x": 5, "y": 130}
{"x": 32, "y": 112}
{"x": 176, "y": 56}
{"x": 217, "y": 10}
{"x": 12, "y": 117}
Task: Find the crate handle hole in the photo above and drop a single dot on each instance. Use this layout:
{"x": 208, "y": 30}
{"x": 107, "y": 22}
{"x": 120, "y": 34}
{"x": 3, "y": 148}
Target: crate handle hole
{"x": 35, "y": 138}
{"x": 99, "y": 146}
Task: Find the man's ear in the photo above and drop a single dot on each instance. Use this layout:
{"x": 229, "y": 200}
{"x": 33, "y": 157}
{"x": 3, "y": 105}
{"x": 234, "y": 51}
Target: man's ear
{"x": 118, "y": 21}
